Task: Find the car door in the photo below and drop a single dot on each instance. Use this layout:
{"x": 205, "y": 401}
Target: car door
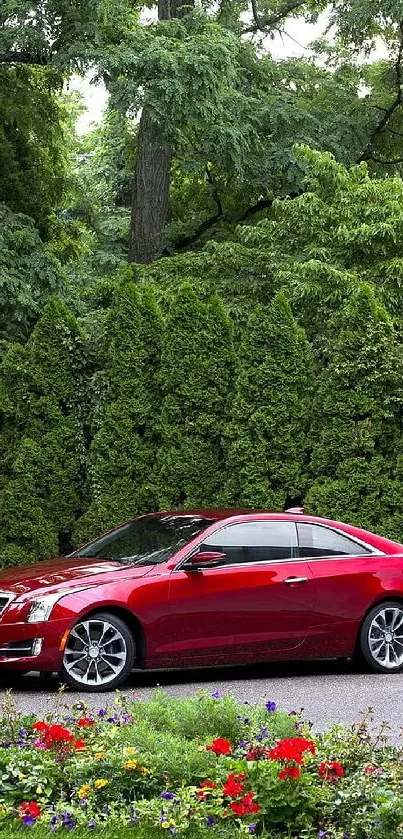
{"x": 344, "y": 572}
{"x": 257, "y": 603}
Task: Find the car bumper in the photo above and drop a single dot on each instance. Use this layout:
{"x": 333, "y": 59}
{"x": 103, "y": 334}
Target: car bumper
{"x": 32, "y": 646}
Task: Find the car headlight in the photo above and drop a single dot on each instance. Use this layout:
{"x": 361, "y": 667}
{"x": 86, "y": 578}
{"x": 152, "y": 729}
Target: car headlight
{"x": 41, "y": 607}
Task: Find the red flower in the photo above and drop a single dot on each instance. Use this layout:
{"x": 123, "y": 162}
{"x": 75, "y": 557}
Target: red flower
{"x": 85, "y": 722}
{"x": 246, "y": 806}
{"x": 40, "y": 726}
{"x": 79, "y": 745}
{"x": 330, "y": 770}
{"x": 59, "y": 734}
{"x": 204, "y": 787}
{"x": 30, "y": 808}
{"x": 257, "y": 752}
{"x": 233, "y": 785}
{"x": 220, "y": 746}
{"x": 289, "y": 772}
{"x": 292, "y": 748}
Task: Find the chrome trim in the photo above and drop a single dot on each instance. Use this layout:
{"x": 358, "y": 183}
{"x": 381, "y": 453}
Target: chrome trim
{"x": 290, "y": 580}
{"x": 370, "y": 548}
{"x": 10, "y": 596}
{"x": 307, "y": 561}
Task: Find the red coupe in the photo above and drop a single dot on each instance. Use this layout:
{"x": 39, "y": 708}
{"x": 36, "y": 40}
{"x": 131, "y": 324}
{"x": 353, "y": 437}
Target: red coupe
{"x": 202, "y": 588}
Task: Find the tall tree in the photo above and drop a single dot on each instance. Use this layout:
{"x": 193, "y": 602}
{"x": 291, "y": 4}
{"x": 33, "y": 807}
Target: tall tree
{"x": 268, "y": 432}
{"x": 196, "y": 377}
{"x": 122, "y": 453}
{"x": 358, "y": 409}
{"x": 41, "y": 432}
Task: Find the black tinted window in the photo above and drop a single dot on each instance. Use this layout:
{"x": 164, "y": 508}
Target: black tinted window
{"x": 258, "y": 541}
{"x": 315, "y": 540}
{"x": 147, "y": 540}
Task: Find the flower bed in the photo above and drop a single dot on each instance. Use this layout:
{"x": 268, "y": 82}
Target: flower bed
{"x": 195, "y": 767}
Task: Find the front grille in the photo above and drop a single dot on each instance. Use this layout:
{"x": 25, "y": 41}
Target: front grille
{"x": 5, "y": 598}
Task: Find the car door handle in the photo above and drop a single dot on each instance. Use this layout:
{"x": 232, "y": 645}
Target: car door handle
{"x": 290, "y": 580}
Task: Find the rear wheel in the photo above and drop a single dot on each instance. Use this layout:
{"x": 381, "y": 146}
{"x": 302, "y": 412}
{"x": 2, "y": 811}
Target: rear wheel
{"x": 381, "y": 638}
{"x": 99, "y": 653}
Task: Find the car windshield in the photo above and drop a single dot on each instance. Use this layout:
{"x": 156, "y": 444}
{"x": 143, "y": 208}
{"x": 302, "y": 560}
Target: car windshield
{"x": 148, "y": 540}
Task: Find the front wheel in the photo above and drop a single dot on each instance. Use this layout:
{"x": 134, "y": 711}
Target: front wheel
{"x": 381, "y": 638}
{"x": 99, "y": 653}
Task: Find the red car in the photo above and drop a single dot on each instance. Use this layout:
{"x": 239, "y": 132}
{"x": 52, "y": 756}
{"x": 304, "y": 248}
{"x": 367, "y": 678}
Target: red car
{"x": 186, "y": 589}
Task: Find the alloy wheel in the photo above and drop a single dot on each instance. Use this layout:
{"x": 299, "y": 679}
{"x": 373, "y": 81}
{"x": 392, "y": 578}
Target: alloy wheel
{"x": 95, "y": 653}
{"x": 385, "y": 637}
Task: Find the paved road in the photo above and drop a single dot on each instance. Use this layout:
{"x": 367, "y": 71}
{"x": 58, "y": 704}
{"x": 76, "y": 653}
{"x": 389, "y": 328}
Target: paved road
{"x": 327, "y": 691}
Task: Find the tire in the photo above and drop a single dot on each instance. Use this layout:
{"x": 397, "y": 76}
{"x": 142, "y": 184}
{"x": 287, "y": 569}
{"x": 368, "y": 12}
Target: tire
{"x": 99, "y": 654}
{"x": 381, "y": 638}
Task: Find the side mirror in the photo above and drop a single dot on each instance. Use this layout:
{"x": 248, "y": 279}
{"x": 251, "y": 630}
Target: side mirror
{"x": 204, "y": 559}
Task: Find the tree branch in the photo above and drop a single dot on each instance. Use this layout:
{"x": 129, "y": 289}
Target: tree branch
{"x": 262, "y": 204}
{"x": 270, "y": 22}
{"x": 385, "y": 162}
{"x": 387, "y": 112}
{"x": 15, "y": 57}
{"x": 214, "y": 192}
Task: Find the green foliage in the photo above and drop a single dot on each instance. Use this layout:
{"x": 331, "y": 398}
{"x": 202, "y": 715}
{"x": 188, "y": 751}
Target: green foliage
{"x": 32, "y": 164}
{"x": 29, "y": 275}
{"x": 357, "y": 410}
{"x": 197, "y": 365}
{"x": 41, "y": 432}
{"x": 268, "y": 433}
{"x": 122, "y": 453}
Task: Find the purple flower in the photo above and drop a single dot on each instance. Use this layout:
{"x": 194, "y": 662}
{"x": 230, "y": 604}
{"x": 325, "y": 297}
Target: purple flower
{"x": 133, "y": 815}
{"x": 210, "y": 821}
{"x": 102, "y": 712}
{"x": 172, "y": 831}
{"x": 28, "y": 820}
{"x": 246, "y": 720}
{"x": 216, "y": 695}
{"x": 92, "y": 824}
{"x": 263, "y": 734}
{"x": 271, "y": 706}
{"x": 167, "y": 795}
{"x": 22, "y": 733}
{"x": 252, "y": 828}
{"x": 242, "y": 744}
{"x": 322, "y": 834}
{"x": 68, "y": 821}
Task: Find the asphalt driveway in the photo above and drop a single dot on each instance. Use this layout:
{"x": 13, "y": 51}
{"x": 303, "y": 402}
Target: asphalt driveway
{"x": 327, "y": 691}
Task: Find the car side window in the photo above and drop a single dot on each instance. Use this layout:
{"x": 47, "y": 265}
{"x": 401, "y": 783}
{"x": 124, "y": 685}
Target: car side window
{"x": 256, "y": 541}
{"x": 315, "y": 540}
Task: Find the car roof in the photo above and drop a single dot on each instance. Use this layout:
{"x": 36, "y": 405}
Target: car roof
{"x": 245, "y": 513}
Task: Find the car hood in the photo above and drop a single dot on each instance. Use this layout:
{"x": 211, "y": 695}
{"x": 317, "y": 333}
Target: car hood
{"x": 65, "y": 573}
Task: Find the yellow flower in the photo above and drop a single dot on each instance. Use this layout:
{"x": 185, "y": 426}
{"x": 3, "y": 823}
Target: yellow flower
{"x": 39, "y": 790}
{"x": 84, "y": 790}
{"x": 144, "y": 771}
{"x": 99, "y": 755}
{"x": 100, "y": 782}
{"x": 164, "y": 824}
{"x": 130, "y": 764}
{"x": 129, "y": 750}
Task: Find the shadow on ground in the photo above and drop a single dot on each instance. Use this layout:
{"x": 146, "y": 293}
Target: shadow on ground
{"x": 154, "y": 678}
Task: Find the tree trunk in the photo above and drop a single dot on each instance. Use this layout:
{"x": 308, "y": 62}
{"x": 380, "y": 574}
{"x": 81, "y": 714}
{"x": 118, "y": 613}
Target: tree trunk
{"x": 150, "y": 194}
{"x": 153, "y": 170}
